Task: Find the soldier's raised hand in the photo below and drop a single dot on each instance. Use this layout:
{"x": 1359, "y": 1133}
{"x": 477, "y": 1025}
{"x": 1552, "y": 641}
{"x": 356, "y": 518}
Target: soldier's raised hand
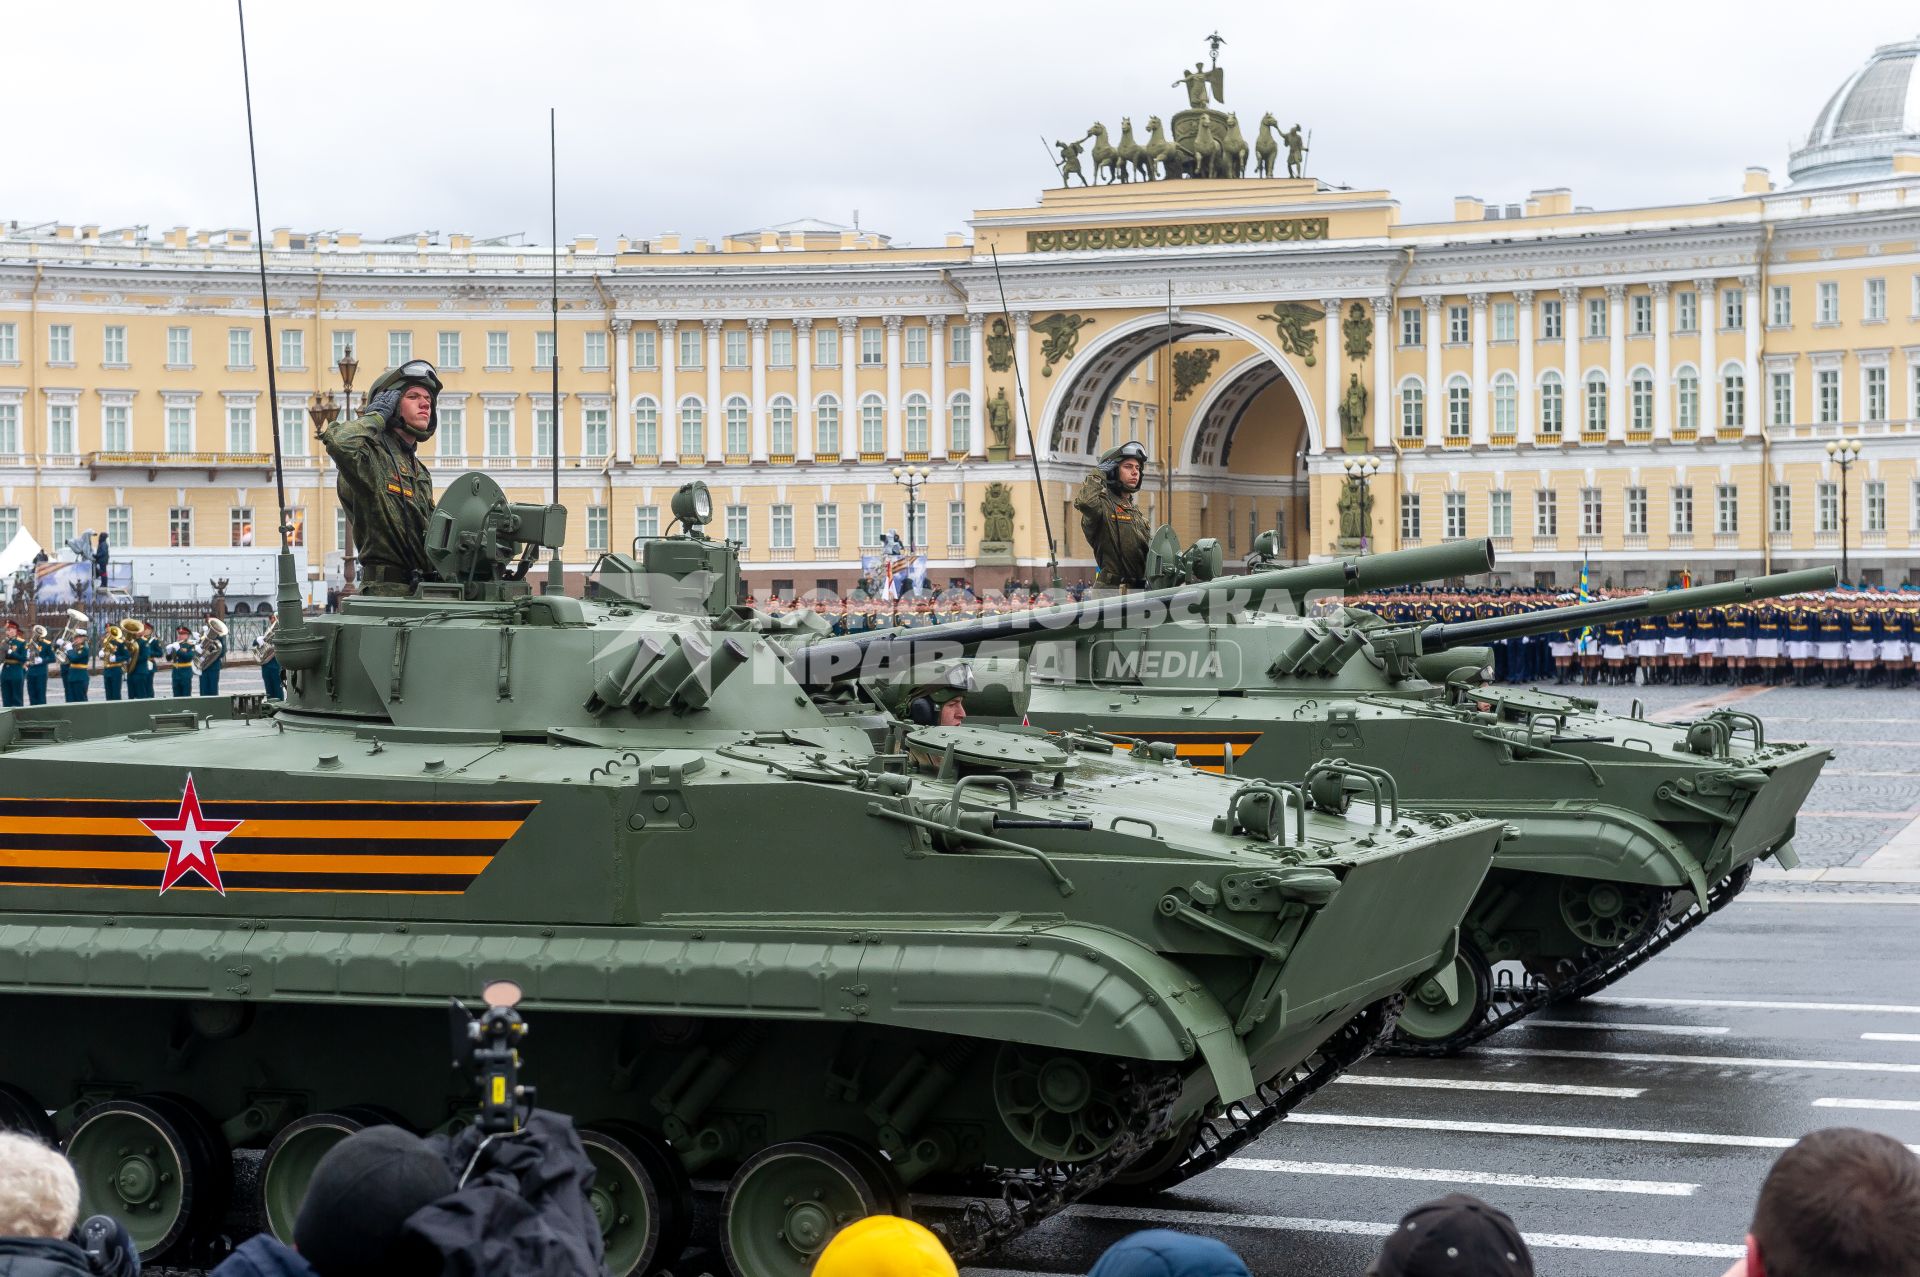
{"x": 386, "y": 403}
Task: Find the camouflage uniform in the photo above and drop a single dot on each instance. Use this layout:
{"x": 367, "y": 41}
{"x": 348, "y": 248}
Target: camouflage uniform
{"x": 387, "y": 492}
{"x": 1115, "y": 528}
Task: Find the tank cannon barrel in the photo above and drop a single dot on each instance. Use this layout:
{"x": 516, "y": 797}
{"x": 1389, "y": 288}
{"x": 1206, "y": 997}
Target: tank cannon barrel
{"x": 1448, "y": 634}
{"x": 1392, "y": 568}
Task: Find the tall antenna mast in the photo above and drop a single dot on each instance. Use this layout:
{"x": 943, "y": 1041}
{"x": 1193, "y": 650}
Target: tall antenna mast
{"x": 556, "y": 571}
{"x": 1166, "y": 418}
{"x": 1033, "y": 446}
{"x": 266, "y": 309}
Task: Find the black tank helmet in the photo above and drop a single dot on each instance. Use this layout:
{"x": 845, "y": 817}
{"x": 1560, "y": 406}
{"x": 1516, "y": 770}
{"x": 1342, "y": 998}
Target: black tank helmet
{"x": 1110, "y": 460}
{"x": 414, "y": 372}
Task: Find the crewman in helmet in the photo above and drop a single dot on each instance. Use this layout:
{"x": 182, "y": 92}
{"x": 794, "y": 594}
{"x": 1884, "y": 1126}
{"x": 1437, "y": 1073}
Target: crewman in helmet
{"x": 940, "y": 699}
{"x": 383, "y": 484}
{"x": 1114, "y": 526}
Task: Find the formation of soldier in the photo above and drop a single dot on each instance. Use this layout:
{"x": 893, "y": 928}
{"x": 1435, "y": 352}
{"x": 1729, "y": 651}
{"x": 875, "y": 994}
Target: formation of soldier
{"x": 127, "y": 662}
{"x": 1859, "y": 637}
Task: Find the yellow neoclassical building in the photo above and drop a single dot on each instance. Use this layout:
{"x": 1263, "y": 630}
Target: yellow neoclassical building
{"x": 1647, "y": 389}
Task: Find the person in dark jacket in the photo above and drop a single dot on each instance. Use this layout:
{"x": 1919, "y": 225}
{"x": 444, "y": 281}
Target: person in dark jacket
{"x": 1161, "y": 1252}
{"x": 39, "y": 1202}
{"x": 1454, "y": 1236}
{"x": 101, "y": 554}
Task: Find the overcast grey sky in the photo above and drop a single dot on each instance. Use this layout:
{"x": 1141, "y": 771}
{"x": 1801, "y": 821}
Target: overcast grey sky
{"x": 711, "y": 118}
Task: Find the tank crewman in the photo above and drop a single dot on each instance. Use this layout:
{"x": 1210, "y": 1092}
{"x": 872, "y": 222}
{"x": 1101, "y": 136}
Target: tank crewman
{"x": 384, "y": 486}
{"x": 179, "y": 654}
{"x": 13, "y": 668}
{"x": 1114, "y": 526}
{"x": 215, "y": 656}
{"x": 941, "y": 701}
{"x": 113, "y": 664}
{"x": 75, "y": 671}
{"x": 39, "y": 662}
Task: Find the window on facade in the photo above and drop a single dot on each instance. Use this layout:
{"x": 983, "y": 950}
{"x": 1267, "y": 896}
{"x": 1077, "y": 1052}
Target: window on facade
{"x": 9, "y": 428}
{"x": 1410, "y": 329}
{"x": 736, "y": 524}
{"x": 399, "y": 348}
{"x": 447, "y": 349}
{"x": 63, "y": 520}
{"x": 239, "y": 427}
{"x": 542, "y": 431}
{"x": 780, "y": 347}
{"x": 1459, "y": 408}
{"x": 499, "y": 433}
{"x": 1726, "y": 509}
{"x": 293, "y": 349}
{"x": 1500, "y": 513}
{"x": 870, "y": 517}
{"x": 1780, "y": 305}
{"x": 1596, "y": 403}
{"x": 1453, "y": 508}
{"x": 916, "y": 352}
{"x": 646, "y": 521}
{"x": 115, "y": 432}
{"x": 61, "y": 435}
{"x": 1780, "y": 398}
{"x": 826, "y": 426}
{"x": 1410, "y": 516}
{"x": 595, "y": 437}
{"x": 873, "y": 347}
{"x": 179, "y": 526}
{"x": 1553, "y": 405}
{"x": 1733, "y": 397}
{"x": 1826, "y": 507}
{"x": 693, "y": 429}
{"x": 1552, "y": 318}
{"x": 735, "y": 345}
{"x": 1873, "y": 304}
{"x": 339, "y": 339}
{"x": 339, "y": 528}
{"x": 1733, "y": 308}
{"x": 739, "y": 433}
{"x": 596, "y": 529}
{"x": 1682, "y": 524}
{"x": 690, "y": 348}
{"x": 1780, "y": 508}
{"x": 239, "y": 348}
{"x": 1826, "y": 395}
{"x": 826, "y": 526}
{"x": 1640, "y": 401}
{"x": 9, "y": 521}
{"x": 593, "y": 349}
{"x": 1596, "y": 317}
{"x": 826, "y": 347}
{"x": 113, "y": 343}
{"x": 873, "y": 425}
{"x": 1590, "y": 517}
{"x": 1459, "y": 328}
{"x": 1873, "y": 504}
{"x": 1413, "y": 410}
{"x": 240, "y": 526}
{"x": 1687, "y": 401}
{"x": 1506, "y": 404}
{"x": 956, "y": 524}
{"x": 960, "y": 424}
{"x": 959, "y": 342}
{"x": 646, "y": 427}
{"x": 780, "y": 427}
{"x": 179, "y": 428}
{"x": 1873, "y": 394}
{"x": 1503, "y": 321}
{"x": 1640, "y": 314}
{"x": 917, "y": 525}
{"x": 543, "y": 351}
{"x": 450, "y": 440}
{"x": 780, "y": 527}
{"x": 917, "y": 424}
{"x": 10, "y": 342}
{"x": 60, "y": 343}
{"x": 1636, "y": 512}
{"x": 1827, "y": 310}
{"x": 119, "y": 526}
{"x": 646, "y": 349}
{"x": 1546, "y": 513}
{"x": 499, "y": 356}
{"x": 1686, "y": 311}
{"x": 179, "y": 347}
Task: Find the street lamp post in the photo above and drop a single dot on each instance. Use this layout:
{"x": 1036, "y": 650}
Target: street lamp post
{"x": 911, "y": 478}
{"x": 348, "y": 367}
{"x": 1361, "y": 470}
{"x": 1844, "y": 453}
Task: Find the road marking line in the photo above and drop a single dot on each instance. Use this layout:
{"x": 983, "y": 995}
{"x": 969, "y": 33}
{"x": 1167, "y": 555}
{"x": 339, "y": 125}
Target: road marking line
{"x": 1486, "y": 1084}
{"x": 1762, "y": 896}
{"x": 1890, "y": 1037}
{"x": 1678, "y": 1030}
{"x": 1721, "y": 1061}
{"x": 1203, "y": 1220}
{"x": 1901, "y": 851}
{"x": 1618, "y": 1134}
{"x": 1871, "y": 1106}
{"x": 1877, "y": 1008}
{"x": 1645, "y": 1187}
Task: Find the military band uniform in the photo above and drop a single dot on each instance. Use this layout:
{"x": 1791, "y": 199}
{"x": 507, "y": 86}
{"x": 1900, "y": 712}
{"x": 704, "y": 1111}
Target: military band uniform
{"x": 140, "y": 673}
{"x": 74, "y": 671}
{"x": 38, "y": 666}
{"x": 271, "y": 677}
{"x": 13, "y": 670}
{"x": 179, "y": 654}
{"x": 384, "y": 486}
{"x": 113, "y": 667}
{"x": 1115, "y": 528}
{"x": 210, "y": 665}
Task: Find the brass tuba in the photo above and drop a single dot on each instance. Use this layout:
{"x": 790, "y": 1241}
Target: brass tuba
{"x": 264, "y": 644}
{"x": 207, "y": 644}
{"x": 112, "y": 636}
{"x": 77, "y": 623}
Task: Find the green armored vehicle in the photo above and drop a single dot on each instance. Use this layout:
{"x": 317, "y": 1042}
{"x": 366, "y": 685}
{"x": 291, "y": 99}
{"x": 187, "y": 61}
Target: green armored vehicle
{"x": 839, "y": 963}
{"x": 1628, "y": 832}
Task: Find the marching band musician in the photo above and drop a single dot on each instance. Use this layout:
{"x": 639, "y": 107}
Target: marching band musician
{"x": 180, "y": 653}
{"x": 270, "y": 675}
{"x": 113, "y": 662}
{"x": 75, "y": 670}
{"x": 39, "y": 659}
{"x": 213, "y": 654}
{"x": 13, "y": 668}
{"x": 146, "y": 649}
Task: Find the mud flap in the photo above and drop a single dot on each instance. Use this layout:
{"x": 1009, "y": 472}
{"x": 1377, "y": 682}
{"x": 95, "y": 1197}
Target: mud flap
{"x": 1226, "y": 1059}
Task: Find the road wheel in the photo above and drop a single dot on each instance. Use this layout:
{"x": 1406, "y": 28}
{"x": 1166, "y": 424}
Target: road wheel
{"x": 1431, "y": 1021}
{"x": 640, "y": 1197}
{"x": 157, "y": 1164}
{"x": 788, "y": 1200}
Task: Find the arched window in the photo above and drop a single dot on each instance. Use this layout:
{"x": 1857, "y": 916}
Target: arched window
{"x": 646, "y": 427}
{"x": 1413, "y": 409}
{"x": 739, "y": 436}
{"x": 693, "y": 429}
{"x": 1459, "y": 407}
{"x": 1553, "y": 405}
{"x": 1686, "y": 385}
{"x": 917, "y": 419}
{"x": 1596, "y": 403}
{"x": 873, "y": 425}
{"x": 1640, "y": 401}
{"x": 780, "y": 426}
{"x": 826, "y": 426}
{"x": 960, "y": 423}
{"x": 1506, "y": 404}
{"x": 1733, "y": 397}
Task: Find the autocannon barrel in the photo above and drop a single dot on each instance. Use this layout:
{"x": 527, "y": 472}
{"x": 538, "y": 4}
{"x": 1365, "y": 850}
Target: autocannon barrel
{"x": 1446, "y": 634}
{"x": 1393, "y": 568}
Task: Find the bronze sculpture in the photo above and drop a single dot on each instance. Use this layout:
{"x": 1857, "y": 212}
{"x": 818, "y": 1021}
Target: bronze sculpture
{"x": 1353, "y": 411}
{"x": 996, "y": 514}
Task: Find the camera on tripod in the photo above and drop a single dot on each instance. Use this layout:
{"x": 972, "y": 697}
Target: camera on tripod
{"x": 487, "y": 1046}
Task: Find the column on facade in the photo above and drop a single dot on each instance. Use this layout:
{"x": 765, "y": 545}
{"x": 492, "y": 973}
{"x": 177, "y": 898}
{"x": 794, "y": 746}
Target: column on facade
{"x": 1572, "y": 393}
{"x": 1523, "y": 393}
{"x": 849, "y": 386}
{"x": 1436, "y": 399}
{"x": 1617, "y": 363}
{"x": 716, "y": 418}
{"x": 622, "y": 390}
{"x": 1709, "y": 361}
{"x": 1478, "y": 409}
{"x": 1662, "y": 363}
{"x": 895, "y": 445}
{"x": 1331, "y": 431}
{"x": 757, "y": 406}
{"x": 1750, "y": 358}
{"x": 1023, "y": 425}
{"x": 977, "y": 381}
{"x": 937, "y": 364}
{"x": 1383, "y": 372}
{"x": 803, "y": 389}
{"x": 667, "y": 421}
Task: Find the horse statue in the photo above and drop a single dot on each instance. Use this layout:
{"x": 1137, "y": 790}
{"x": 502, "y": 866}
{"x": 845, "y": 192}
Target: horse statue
{"x": 1107, "y": 166}
{"x": 1133, "y": 155}
{"x": 1205, "y": 150}
{"x": 1162, "y": 152}
{"x": 1233, "y": 150}
{"x": 1267, "y": 150}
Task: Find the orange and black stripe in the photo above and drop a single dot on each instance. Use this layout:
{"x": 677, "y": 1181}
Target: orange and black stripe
{"x": 296, "y": 845}
{"x": 1205, "y": 750}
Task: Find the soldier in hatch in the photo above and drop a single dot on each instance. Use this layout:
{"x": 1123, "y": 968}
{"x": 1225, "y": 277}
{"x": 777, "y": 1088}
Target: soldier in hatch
{"x": 941, "y": 699}
{"x": 1114, "y": 526}
{"x": 383, "y": 484}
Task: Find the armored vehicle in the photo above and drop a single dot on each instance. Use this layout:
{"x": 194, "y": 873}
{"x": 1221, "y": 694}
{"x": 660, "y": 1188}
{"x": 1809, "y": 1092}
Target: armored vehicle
{"x": 1629, "y": 832}
{"x": 837, "y": 963}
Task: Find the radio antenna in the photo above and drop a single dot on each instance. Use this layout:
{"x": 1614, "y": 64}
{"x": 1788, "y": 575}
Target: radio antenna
{"x": 556, "y": 571}
{"x": 1026, "y": 419}
{"x": 266, "y": 309}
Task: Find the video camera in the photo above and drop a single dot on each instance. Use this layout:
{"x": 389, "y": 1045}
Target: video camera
{"x": 487, "y": 1046}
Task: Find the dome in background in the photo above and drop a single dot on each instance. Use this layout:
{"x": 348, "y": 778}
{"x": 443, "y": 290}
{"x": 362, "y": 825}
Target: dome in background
{"x": 1874, "y": 111}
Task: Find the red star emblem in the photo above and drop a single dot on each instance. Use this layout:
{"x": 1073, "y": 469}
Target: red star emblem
{"x": 190, "y": 839}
